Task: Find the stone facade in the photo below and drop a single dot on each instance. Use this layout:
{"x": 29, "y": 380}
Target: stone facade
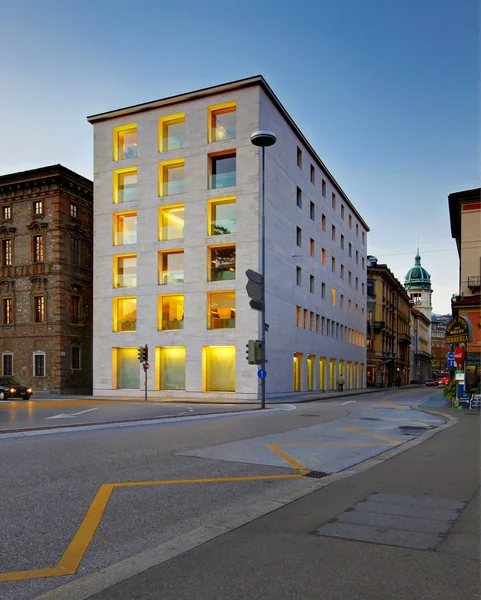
{"x": 341, "y": 347}
{"x": 55, "y": 204}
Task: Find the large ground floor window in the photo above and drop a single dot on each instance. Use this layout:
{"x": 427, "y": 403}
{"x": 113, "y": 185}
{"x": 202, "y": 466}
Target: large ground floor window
{"x": 170, "y": 368}
{"x": 219, "y": 368}
{"x": 125, "y": 367}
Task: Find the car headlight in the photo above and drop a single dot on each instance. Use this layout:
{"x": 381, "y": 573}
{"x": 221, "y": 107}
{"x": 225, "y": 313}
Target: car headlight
{"x": 12, "y": 390}
{"x": 29, "y": 390}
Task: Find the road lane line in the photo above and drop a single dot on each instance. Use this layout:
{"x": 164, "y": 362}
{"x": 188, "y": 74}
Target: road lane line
{"x": 348, "y": 402}
{"x": 33, "y": 574}
{"x": 275, "y": 448}
{"x": 68, "y": 415}
{"x": 379, "y": 437}
{"x": 336, "y": 445}
{"x": 205, "y": 480}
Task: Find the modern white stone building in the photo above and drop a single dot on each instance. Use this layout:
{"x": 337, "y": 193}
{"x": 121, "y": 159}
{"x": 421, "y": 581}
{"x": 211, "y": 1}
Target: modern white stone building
{"x": 176, "y": 224}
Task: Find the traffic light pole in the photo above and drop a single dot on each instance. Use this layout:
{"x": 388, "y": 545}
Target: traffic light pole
{"x": 263, "y": 271}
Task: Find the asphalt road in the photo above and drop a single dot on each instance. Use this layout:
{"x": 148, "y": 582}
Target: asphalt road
{"x": 51, "y": 482}
{"x": 33, "y": 414}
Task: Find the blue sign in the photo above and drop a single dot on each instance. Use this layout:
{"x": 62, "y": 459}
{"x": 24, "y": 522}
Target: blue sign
{"x": 261, "y": 374}
{"x": 451, "y": 364}
{"x": 450, "y": 355}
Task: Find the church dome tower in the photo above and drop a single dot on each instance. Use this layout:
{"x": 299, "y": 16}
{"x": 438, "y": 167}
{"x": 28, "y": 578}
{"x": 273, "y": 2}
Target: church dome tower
{"x": 418, "y": 286}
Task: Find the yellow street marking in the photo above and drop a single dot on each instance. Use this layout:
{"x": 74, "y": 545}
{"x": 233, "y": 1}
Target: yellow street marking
{"x": 379, "y": 437}
{"x": 75, "y": 552}
{"x": 391, "y": 404}
{"x": 288, "y": 458}
{"x": 405, "y": 421}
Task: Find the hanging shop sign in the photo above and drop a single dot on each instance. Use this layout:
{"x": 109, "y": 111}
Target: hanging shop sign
{"x": 458, "y": 330}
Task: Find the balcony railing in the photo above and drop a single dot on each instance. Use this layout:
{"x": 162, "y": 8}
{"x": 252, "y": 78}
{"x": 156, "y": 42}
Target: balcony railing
{"x": 127, "y": 151}
{"x": 404, "y": 338}
{"x": 222, "y": 180}
{"x": 220, "y": 227}
{"x": 171, "y": 277}
{"x": 377, "y": 325}
{"x": 125, "y": 239}
{"x": 127, "y": 195}
{"x": 227, "y": 132}
{"x": 474, "y": 282}
{"x": 170, "y": 188}
{"x": 126, "y": 326}
{"x": 125, "y": 281}
{"x": 172, "y": 324}
{"x": 173, "y": 142}
{"x": 222, "y": 274}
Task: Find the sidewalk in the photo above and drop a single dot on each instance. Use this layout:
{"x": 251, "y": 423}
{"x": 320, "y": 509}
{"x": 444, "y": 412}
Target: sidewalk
{"x": 279, "y": 556}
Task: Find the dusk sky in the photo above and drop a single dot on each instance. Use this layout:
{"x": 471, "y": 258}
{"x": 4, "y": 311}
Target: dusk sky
{"x": 386, "y": 91}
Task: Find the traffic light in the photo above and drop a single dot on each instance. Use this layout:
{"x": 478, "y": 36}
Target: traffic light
{"x": 140, "y": 353}
{"x": 254, "y": 352}
{"x": 145, "y": 354}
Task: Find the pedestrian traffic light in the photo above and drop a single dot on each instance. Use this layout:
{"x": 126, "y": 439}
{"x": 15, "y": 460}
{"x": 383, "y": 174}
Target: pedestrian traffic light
{"x": 254, "y": 352}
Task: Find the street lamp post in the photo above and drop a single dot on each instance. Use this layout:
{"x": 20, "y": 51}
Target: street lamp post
{"x": 262, "y": 139}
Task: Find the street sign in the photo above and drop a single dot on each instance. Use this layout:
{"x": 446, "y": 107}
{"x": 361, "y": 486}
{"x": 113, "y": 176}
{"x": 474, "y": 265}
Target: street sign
{"x": 261, "y": 374}
{"x": 451, "y": 364}
{"x": 459, "y": 375}
{"x": 146, "y": 366}
{"x": 450, "y": 355}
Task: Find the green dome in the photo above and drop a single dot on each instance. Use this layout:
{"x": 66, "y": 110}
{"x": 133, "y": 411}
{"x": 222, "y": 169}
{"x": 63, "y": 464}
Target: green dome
{"x": 417, "y": 278}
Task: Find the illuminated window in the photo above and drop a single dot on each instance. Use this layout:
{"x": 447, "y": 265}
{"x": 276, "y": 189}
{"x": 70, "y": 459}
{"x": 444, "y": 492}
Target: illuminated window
{"x": 75, "y": 310}
{"x": 171, "y": 267}
{"x": 171, "y": 367}
{"x": 74, "y": 211}
{"x": 297, "y": 365}
{"x": 323, "y": 187}
{"x": 171, "y": 220}
{"x": 125, "y": 142}
{"x": 222, "y": 170}
{"x": 125, "y": 228}
{"x": 172, "y": 177}
{"x": 333, "y": 200}
{"x": 323, "y": 222}
{"x": 219, "y": 368}
{"x": 171, "y": 312}
{"x": 125, "y": 186}
{"x": 299, "y": 276}
{"x": 222, "y": 216}
{"x": 221, "y": 263}
{"x": 333, "y": 296}
{"x": 221, "y": 310}
{"x": 299, "y": 158}
{"x": 310, "y": 371}
{"x": 6, "y": 213}
{"x": 7, "y": 310}
{"x": 311, "y": 247}
{"x": 313, "y": 175}
{"x": 299, "y": 237}
{"x": 311, "y": 284}
{"x": 38, "y": 253}
{"x": 324, "y": 255}
{"x": 39, "y": 309}
{"x": 299, "y": 197}
{"x": 6, "y": 255}
{"x": 172, "y": 132}
{"x": 125, "y": 271}
{"x": 222, "y": 122}
{"x": 311, "y": 320}
{"x": 124, "y": 314}
{"x": 38, "y": 207}
{"x": 125, "y": 369}
{"x": 75, "y": 251}
{"x": 312, "y": 211}
{"x": 298, "y": 316}
{"x": 342, "y": 211}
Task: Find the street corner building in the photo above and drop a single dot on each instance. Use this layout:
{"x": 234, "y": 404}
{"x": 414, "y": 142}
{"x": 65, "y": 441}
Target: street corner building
{"x": 46, "y": 279}
{"x": 178, "y": 222}
{"x": 465, "y": 218}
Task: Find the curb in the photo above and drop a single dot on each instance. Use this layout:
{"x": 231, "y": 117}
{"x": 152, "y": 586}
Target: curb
{"x": 93, "y": 583}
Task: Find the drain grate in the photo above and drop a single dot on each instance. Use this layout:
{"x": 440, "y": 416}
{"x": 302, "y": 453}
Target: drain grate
{"x": 316, "y": 474}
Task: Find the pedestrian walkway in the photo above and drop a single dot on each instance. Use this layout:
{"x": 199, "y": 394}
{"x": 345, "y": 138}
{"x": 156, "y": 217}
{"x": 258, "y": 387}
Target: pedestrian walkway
{"x": 406, "y": 528}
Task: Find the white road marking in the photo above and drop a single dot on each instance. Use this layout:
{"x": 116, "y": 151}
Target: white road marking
{"x": 67, "y": 416}
{"x": 348, "y": 402}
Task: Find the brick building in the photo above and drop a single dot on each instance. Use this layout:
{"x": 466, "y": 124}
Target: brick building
{"x": 46, "y": 279}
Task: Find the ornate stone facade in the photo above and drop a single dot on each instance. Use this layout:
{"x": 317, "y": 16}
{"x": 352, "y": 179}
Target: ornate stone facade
{"x": 46, "y": 269}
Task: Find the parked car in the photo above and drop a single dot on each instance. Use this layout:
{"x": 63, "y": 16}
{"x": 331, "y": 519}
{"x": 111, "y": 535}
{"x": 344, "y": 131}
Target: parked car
{"x": 431, "y": 382}
{"x": 444, "y": 380}
{"x": 10, "y": 388}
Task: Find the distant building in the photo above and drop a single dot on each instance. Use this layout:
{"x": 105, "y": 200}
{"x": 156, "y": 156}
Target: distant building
{"x": 439, "y": 348}
{"x": 388, "y": 328}
{"x": 465, "y": 217}
{"x": 46, "y": 279}
{"x": 177, "y": 213}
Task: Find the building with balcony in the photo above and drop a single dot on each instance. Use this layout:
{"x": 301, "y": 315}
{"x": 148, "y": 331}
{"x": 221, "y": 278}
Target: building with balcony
{"x": 388, "y": 328}
{"x": 421, "y": 356}
{"x": 46, "y": 279}
{"x": 465, "y": 217}
{"x": 177, "y": 200}
{"x": 439, "y": 348}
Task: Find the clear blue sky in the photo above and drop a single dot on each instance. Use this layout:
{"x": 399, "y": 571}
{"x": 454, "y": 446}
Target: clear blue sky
{"x": 386, "y": 91}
